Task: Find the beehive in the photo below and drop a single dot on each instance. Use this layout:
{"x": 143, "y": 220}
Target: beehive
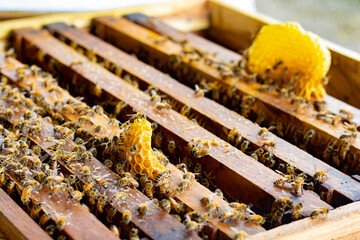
{"x": 225, "y": 136}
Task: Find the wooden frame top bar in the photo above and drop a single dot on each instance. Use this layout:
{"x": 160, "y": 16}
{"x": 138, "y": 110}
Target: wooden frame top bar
{"x": 340, "y": 182}
{"x": 15, "y": 223}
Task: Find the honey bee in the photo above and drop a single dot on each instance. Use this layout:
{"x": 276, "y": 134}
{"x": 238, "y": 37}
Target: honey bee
{"x": 126, "y": 217}
{"x": 199, "y": 92}
{"x": 44, "y": 219}
{"x": 149, "y": 189}
{"x": 35, "y": 210}
{"x": 212, "y": 207}
{"x": 134, "y": 234}
{"x": 346, "y": 115}
{"x": 77, "y": 195}
{"x": 160, "y": 176}
{"x": 110, "y": 214}
{"x": 25, "y": 195}
{"x": 114, "y": 122}
{"x": 158, "y": 140}
{"x": 285, "y": 179}
{"x": 319, "y": 211}
{"x": 163, "y": 187}
{"x": 88, "y": 185}
{"x": 319, "y": 175}
{"x": 119, "y": 196}
{"x": 171, "y": 147}
{"x": 241, "y": 207}
{"x": 33, "y": 183}
{"x": 345, "y": 147}
{"x": 100, "y": 204}
{"x": 60, "y": 223}
{"x": 328, "y": 152}
{"x": 244, "y": 145}
{"x": 9, "y": 113}
{"x": 229, "y": 215}
{"x": 240, "y": 235}
{"x": 307, "y": 137}
{"x": 86, "y": 120}
{"x": 264, "y": 132}
{"x": 85, "y": 171}
{"x": 143, "y": 209}
{"x": 296, "y": 213}
{"x": 185, "y": 110}
{"x": 282, "y": 203}
{"x": 255, "y": 219}
{"x": 277, "y": 216}
{"x": 298, "y": 185}
{"x": 165, "y": 205}
{"x": 115, "y": 230}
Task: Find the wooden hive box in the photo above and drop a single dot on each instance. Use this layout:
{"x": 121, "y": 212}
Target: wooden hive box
{"x": 91, "y": 56}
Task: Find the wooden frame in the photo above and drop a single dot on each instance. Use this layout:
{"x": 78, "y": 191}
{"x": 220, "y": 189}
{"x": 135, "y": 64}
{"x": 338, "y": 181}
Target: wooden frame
{"x": 235, "y": 28}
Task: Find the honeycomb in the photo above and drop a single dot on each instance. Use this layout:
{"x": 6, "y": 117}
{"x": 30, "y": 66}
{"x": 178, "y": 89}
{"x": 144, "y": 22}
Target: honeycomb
{"x": 287, "y": 52}
{"x": 138, "y": 151}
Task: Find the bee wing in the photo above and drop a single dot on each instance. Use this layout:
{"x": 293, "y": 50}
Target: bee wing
{"x": 315, "y": 168}
{"x": 282, "y": 174}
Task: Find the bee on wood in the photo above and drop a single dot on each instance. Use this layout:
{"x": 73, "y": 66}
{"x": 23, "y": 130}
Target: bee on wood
{"x": 348, "y": 137}
{"x": 255, "y": 219}
{"x": 285, "y": 179}
{"x": 320, "y": 175}
{"x": 143, "y": 209}
{"x": 190, "y": 225}
{"x": 319, "y": 211}
{"x": 165, "y": 205}
{"x": 185, "y": 110}
{"x": 298, "y": 185}
{"x": 296, "y": 213}
{"x": 76, "y": 195}
{"x": 25, "y": 195}
{"x": 60, "y": 223}
{"x": 160, "y": 176}
{"x": 241, "y": 207}
{"x": 126, "y": 217}
{"x": 240, "y": 235}
{"x": 114, "y": 230}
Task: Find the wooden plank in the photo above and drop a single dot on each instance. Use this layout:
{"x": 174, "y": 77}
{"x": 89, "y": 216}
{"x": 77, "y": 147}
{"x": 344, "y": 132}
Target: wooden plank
{"x": 158, "y": 26}
{"x": 15, "y": 223}
{"x": 214, "y": 115}
{"x": 276, "y": 110}
{"x": 144, "y": 223}
{"x": 252, "y": 182}
{"x": 84, "y": 19}
{"x": 191, "y": 198}
{"x": 234, "y": 28}
{"x": 78, "y": 219}
{"x": 343, "y": 222}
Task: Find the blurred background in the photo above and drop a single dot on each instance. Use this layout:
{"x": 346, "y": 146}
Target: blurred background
{"x": 335, "y": 20}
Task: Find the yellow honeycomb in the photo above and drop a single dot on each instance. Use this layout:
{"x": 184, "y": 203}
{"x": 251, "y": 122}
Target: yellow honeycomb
{"x": 287, "y": 52}
{"x": 137, "y": 146}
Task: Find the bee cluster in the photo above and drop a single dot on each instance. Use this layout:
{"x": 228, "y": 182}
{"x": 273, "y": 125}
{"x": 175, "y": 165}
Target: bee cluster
{"x": 51, "y": 145}
{"x": 226, "y": 92}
